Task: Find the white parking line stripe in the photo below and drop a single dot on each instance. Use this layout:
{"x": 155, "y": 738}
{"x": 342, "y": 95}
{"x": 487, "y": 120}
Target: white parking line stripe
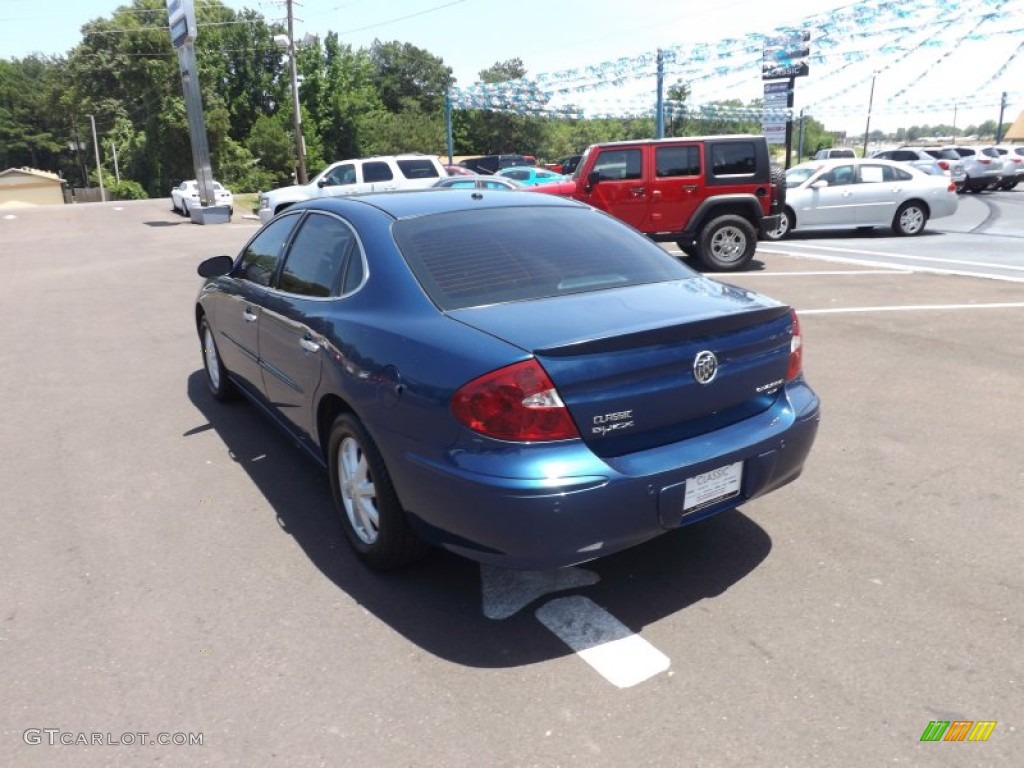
{"x": 907, "y": 256}
{"x": 506, "y": 592}
{"x": 623, "y": 658}
{"x": 902, "y": 267}
{"x": 911, "y": 308}
{"x": 844, "y": 273}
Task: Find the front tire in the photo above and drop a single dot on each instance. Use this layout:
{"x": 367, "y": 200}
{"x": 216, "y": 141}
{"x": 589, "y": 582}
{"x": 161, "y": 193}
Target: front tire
{"x": 727, "y": 244}
{"x": 910, "y": 219}
{"x": 217, "y": 379}
{"x": 371, "y": 514}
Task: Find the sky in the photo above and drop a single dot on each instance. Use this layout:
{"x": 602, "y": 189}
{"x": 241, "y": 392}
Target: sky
{"x": 949, "y": 60}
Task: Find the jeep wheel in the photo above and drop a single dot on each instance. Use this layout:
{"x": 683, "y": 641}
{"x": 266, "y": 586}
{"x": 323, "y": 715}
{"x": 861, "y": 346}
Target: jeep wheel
{"x": 785, "y": 225}
{"x": 727, "y": 244}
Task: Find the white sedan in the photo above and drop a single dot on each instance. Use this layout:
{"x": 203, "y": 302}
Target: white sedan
{"x": 862, "y": 194}
{"x": 186, "y": 196}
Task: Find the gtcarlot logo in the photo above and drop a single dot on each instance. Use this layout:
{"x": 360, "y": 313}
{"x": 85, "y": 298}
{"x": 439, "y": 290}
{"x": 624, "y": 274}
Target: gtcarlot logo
{"x": 57, "y": 737}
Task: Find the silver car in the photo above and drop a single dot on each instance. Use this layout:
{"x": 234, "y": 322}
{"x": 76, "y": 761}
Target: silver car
{"x": 948, "y": 160}
{"x": 863, "y": 194}
{"x": 923, "y": 160}
{"x": 1013, "y": 164}
{"x": 982, "y": 171}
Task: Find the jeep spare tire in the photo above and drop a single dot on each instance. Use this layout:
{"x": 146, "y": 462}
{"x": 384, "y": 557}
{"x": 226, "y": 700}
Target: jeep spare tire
{"x": 727, "y": 243}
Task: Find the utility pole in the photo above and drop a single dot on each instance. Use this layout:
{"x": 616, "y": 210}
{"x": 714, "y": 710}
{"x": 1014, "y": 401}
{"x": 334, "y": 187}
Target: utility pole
{"x": 999, "y": 125}
{"x": 661, "y": 101}
{"x": 300, "y": 144}
{"x": 99, "y": 170}
{"x": 871, "y": 101}
{"x": 117, "y": 173}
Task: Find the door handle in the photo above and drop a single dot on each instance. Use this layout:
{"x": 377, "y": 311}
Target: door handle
{"x": 249, "y": 315}
{"x": 308, "y": 344}
{"x": 690, "y": 187}
{"x": 637, "y": 191}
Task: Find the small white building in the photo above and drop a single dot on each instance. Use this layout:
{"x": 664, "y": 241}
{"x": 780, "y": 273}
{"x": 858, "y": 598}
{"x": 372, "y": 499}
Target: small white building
{"x": 28, "y": 186}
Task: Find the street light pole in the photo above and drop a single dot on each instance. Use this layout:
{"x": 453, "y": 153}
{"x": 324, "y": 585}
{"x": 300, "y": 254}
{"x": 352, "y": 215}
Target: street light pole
{"x": 299, "y": 141}
{"x": 871, "y": 101}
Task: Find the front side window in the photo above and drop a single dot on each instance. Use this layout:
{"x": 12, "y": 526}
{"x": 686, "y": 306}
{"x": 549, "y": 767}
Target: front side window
{"x": 263, "y": 253}
{"x": 677, "y": 161}
{"x": 341, "y": 175}
{"x": 840, "y": 176}
{"x": 733, "y": 158}
{"x": 618, "y": 164}
{"x": 316, "y": 257}
{"x": 376, "y": 170}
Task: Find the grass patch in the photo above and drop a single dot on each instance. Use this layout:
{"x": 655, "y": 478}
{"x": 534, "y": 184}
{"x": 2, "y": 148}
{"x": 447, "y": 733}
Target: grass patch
{"x": 247, "y": 201}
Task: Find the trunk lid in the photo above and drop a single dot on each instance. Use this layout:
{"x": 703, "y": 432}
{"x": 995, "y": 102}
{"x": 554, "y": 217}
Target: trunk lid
{"x": 623, "y": 360}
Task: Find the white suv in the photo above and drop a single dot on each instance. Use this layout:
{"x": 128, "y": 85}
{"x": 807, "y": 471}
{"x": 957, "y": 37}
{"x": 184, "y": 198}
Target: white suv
{"x": 353, "y": 177}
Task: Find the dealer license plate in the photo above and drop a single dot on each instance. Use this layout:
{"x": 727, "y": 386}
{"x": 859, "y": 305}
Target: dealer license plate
{"x": 711, "y": 487}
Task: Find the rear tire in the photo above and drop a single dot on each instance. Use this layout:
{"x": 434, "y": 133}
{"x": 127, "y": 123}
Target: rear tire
{"x": 786, "y": 225}
{"x": 910, "y": 219}
{"x": 727, "y": 244}
{"x": 371, "y": 514}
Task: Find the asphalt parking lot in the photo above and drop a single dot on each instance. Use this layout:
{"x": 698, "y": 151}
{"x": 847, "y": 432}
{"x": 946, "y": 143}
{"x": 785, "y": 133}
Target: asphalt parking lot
{"x": 172, "y": 566}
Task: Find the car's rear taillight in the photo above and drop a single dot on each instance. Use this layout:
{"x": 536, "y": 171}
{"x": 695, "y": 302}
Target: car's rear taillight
{"x": 517, "y": 402}
{"x": 796, "y": 350}
{"x": 944, "y": 164}
{"x": 984, "y": 160}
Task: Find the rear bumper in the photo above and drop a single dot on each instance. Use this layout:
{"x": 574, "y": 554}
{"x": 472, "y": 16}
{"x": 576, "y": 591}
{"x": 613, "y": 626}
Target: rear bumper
{"x": 554, "y": 505}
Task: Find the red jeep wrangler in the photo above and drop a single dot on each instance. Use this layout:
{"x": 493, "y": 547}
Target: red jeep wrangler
{"x": 712, "y": 195}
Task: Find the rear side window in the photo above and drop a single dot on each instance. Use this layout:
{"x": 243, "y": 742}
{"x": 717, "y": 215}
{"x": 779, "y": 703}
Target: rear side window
{"x": 375, "y": 170}
{"x": 418, "y": 169}
{"x": 734, "y": 158}
{"x": 471, "y": 258}
{"x": 263, "y": 253}
{"x": 677, "y": 161}
{"x": 316, "y": 257}
{"x": 618, "y": 164}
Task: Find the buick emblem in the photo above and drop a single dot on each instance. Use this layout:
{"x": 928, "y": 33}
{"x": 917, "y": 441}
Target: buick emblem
{"x": 705, "y": 367}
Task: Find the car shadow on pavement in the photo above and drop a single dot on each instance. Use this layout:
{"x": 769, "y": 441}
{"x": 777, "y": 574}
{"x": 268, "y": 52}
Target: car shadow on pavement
{"x": 437, "y": 604}
{"x": 874, "y": 233}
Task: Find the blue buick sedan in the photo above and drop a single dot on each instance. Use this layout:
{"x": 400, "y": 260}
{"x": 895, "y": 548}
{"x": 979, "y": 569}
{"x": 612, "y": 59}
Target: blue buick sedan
{"x": 520, "y": 379}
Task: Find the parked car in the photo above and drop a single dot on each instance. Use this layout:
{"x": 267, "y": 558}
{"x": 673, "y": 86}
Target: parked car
{"x": 711, "y": 195}
{"x": 458, "y": 170}
{"x": 834, "y": 152}
{"x": 862, "y": 194}
{"x": 186, "y": 196}
{"x": 923, "y": 160}
{"x": 1013, "y": 165}
{"x": 568, "y": 165}
{"x": 471, "y": 376}
{"x": 494, "y": 163}
{"x": 355, "y": 177}
{"x": 982, "y": 171}
{"x": 478, "y": 181}
{"x": 948, "y": 159}
{"x": 531, "y": 177}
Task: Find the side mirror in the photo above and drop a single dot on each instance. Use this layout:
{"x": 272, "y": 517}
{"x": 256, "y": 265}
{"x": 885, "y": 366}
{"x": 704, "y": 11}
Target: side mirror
{"x": 819, "y": 184}
{"x": 216, "y": 266}
{"x": 322, "y": 183}
{"x": 593, "y": 177}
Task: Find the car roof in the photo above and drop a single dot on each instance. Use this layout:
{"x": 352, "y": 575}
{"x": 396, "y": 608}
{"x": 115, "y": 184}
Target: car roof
{"x": 405, "y": 204}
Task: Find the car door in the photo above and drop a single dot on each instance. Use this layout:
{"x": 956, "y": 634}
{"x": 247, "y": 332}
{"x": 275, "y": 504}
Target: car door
{"x": 238, "y": 305}
{"x": 618, "y": 186}
{"x": 291, "y": 341}
{"x": 675, "y": 189}
{"x": 878, "y": 193}
{"x": 378, "y": 176}
{"x": 831, "y": 205}
{"x": 339, "y": 180}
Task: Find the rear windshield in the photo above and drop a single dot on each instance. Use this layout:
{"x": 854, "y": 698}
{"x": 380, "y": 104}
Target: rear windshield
{"x": 943, "y": 154}
{"x": 418, "y": 169}
{"x": 471, "y": 258}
